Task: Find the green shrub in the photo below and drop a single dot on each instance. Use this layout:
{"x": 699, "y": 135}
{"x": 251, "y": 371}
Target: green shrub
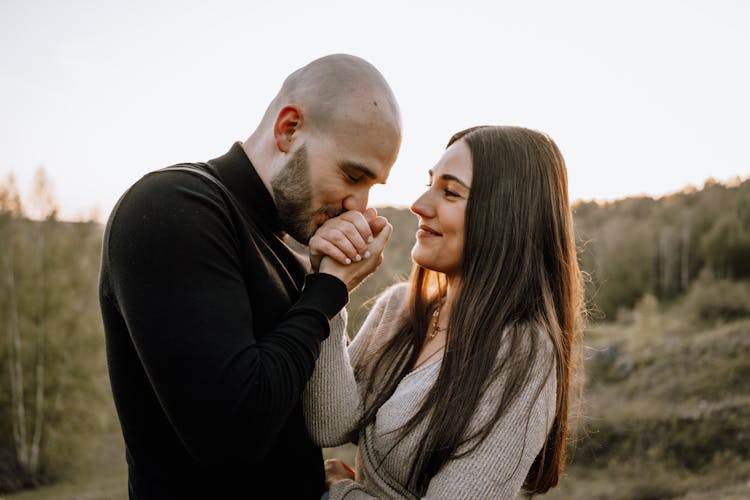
{"x": 710, "y": 299}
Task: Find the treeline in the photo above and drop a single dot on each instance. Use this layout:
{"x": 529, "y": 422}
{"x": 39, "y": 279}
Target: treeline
{"x": 52, "y": 382}
{"x": 663, "y": 247}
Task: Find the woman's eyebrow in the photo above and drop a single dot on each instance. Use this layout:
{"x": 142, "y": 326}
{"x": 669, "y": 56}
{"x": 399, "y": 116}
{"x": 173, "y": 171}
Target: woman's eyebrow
{"x": 449, "y": 177}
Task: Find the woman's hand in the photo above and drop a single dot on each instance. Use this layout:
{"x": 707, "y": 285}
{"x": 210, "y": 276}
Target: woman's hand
{"x": 345, "y": 237}
{"x": 336, "y": 471}
{"x": 353, "y": 274}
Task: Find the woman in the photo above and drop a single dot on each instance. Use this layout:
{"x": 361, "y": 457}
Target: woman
{"x": 458, "y": 384}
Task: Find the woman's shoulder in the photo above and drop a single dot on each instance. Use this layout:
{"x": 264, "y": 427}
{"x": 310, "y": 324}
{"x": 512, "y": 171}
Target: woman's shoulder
{"x": 528, "y": 348}
{"x": 392, "y": 305}
{"x": 545, "y": 347}
{"x": 533, "y": 344}
{"x": 395, "y": 295}
{"x": 533, "y": 351}
{"x": 385, "y": 318}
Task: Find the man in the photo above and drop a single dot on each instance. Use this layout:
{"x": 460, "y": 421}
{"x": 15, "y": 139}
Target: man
{"x": 212, "y": 323}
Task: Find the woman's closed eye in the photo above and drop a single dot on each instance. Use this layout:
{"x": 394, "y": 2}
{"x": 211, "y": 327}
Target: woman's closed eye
{"x": 446, "y": 192}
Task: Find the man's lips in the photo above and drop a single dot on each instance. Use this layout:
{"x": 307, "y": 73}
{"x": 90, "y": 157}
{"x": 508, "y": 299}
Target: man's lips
{"x": 323, "y": 216}
{"x": 427, "y": 229}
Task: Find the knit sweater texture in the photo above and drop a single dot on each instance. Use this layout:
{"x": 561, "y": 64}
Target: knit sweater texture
{"x": 333, "y": 404}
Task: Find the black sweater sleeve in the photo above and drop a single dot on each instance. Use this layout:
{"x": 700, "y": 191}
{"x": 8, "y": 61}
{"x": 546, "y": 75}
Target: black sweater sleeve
{"x": 172, "y": 263}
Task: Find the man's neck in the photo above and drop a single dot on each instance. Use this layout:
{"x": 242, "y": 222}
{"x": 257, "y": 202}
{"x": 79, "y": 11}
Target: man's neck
{"x": 262, "y": 162}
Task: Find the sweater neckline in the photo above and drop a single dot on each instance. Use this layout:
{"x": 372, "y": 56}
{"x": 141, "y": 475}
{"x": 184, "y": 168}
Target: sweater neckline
{"x": 436, "y": 359}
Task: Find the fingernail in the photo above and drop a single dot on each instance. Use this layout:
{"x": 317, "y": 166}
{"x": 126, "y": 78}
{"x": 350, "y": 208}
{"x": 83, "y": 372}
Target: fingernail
{"x": 348, "y": 260}
{"x": 367, "y": 254}
{"x": 358, "y": 257}
{"x": 370, "y": 239}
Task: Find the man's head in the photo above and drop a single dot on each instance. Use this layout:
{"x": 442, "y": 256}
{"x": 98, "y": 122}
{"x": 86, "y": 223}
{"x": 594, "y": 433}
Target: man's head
{"x": 331, "y": 133}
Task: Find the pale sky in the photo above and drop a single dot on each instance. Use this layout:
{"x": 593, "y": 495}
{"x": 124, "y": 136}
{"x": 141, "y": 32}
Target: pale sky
{"x": 641, "y": 96}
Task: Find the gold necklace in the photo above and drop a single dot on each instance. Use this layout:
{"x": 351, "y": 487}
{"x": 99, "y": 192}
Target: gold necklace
{"x": 436, "y": 316}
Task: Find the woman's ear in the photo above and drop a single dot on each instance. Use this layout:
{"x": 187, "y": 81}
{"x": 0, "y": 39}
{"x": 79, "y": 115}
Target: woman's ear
{"x": 288, "y": 121}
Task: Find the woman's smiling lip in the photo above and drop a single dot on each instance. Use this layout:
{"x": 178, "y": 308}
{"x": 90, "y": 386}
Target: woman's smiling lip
{"x": 425, "y": 230}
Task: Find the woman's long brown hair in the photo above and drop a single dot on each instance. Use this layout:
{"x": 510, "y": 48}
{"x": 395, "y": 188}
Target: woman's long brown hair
{"x": 519, "y": 275}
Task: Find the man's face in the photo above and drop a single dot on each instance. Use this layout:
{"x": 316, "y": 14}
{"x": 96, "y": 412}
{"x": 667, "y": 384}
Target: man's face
{"x": 333, "y": 172}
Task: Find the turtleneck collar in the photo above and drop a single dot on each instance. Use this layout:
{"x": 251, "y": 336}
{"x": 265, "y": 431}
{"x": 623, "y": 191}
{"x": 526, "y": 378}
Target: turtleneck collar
{"x": 238, "y": 174}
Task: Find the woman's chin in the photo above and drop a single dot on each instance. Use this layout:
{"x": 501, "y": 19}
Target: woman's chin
{"x": 418, "y": 257}
{"x": 415, "y": 257}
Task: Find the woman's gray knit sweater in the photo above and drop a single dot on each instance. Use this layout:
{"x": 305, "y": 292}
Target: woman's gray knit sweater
{"x": 496, "y": 468}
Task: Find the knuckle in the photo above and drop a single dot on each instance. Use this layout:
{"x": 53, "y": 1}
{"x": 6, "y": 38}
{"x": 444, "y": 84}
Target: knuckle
{"x": 339, "y": 237}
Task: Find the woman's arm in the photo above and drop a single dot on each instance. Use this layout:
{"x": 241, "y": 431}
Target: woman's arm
{"x": 332, "y": 399}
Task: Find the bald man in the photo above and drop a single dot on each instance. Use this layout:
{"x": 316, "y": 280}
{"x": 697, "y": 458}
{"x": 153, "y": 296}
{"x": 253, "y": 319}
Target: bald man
{"x": 213, "y": 324}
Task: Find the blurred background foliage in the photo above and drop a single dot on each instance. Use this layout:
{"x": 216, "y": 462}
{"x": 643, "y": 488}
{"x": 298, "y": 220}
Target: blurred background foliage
{"x": 54, "y": 398}
{"x": 667, "y": 399}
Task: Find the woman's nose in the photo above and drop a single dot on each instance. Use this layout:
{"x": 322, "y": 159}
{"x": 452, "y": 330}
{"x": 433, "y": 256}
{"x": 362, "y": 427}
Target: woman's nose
{"x": 422, "y": 206}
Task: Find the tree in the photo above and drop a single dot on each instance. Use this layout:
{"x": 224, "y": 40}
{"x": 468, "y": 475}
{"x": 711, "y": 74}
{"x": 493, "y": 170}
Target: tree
{"x": 726, "y": 247}
{"x": 53, "y": 344}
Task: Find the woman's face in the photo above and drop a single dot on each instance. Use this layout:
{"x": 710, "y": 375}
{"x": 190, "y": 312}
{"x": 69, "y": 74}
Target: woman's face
{"x": 441, "y": 210}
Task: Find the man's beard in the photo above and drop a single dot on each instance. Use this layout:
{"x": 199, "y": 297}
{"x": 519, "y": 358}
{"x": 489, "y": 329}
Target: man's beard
{"x": 292, "y": 193}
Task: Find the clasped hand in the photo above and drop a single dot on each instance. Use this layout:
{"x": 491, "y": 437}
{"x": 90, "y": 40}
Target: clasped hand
{"x": 350, "y": 246}
{"x": 336, "y": 471}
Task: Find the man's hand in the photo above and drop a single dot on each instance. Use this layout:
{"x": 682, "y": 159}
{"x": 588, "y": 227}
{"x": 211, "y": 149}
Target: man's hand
{"x": 336, "y": 471}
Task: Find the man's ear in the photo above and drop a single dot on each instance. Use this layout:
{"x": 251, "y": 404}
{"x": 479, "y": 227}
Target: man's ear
{"x": 288, "y": 121}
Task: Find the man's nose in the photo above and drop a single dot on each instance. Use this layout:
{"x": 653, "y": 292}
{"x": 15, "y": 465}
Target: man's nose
{"x": 357, "y": 201}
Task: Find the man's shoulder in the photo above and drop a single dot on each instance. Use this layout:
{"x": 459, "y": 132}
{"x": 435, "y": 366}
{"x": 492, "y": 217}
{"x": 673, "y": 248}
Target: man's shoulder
{"x": 175, "y": 176}
{"x": 161, "y": 196}
{"x": 172, "y": 184}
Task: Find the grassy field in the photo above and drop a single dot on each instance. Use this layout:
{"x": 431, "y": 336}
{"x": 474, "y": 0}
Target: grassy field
{"x": 106, "y": 484}
{"x": 102, "y": 475}
{"x": 667, "y": 411}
